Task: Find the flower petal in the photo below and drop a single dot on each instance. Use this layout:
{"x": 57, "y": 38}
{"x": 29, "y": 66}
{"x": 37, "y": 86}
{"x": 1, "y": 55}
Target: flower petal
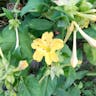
{"x": 57, "y": 44}
{"x": 47, "y": 37}
{"x": 38, "y": 55}
{"x": 48, "y": 59}
{"x": 37, "y": 43}
{"x": 54, "y": 57}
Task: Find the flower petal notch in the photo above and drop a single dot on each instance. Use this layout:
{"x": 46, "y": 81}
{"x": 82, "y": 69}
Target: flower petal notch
{"x": 46, "y": 47}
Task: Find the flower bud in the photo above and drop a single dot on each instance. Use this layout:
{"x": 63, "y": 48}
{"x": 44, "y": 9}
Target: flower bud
{"x": 74, "y": 59}
{"x": 22, "y": 65}
{"x": 89, "y": 39}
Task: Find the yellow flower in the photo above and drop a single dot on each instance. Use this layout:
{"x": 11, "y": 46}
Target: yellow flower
{"x": 46, "y": 47}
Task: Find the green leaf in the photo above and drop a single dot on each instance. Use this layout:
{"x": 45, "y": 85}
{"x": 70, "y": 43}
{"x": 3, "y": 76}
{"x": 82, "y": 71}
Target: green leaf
{"x": 40, "y": 24}
{"x": 29, "y": 87}
{"x": 32, "y": 5}
{"x": 8, "y": 41}
{"x": 74, "y": 91}
{"x": 61, "y": 92}
{"x": 8, "y": 13}
{"x": 48, "y": 86}
{"x": 64, "y": 55}
{"x": 71, "y": 77}
{"x": 90, "y": 53}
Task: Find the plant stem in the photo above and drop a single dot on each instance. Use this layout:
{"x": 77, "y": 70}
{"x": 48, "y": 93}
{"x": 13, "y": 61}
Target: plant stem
{"x": 17, "y": 38}
{"x": 42, "y": 79}
{"x": 16, "y": 4}
{"x": 91, "y": 74}
{"x": 65, "y": 65}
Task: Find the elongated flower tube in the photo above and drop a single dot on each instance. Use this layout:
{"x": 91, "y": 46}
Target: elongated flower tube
{"x": 89, "y": 39}
{"x": 61, "y": 2}
{"x": 74, "y": 59}
{"x": 91, "y": 17}
{"x": 1, "y": 53}
{"x": 17, "y": 38}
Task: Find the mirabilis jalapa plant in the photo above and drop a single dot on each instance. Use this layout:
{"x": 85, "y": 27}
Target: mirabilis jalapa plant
{"x": 44, "y": 45}
{"x": 47, "y": 48}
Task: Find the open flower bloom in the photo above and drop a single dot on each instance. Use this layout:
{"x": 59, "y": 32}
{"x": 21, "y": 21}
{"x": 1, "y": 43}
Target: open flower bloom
{"x": 74, "y": 60}
{"x": 89, "y": 39}
{"x": 46, "y": 47}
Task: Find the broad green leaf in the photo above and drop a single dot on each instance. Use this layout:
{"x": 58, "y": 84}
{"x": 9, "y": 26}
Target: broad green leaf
{"x": 71, "y": 77}
{"x": 61, "y": 92}
{"x": 40, "y": 24}
{"x": 2, "y": 94}
{"x": 32, "y": 5}
{"x": 48, "y": 86}
{"x": 29, "y": 87}
{"x": 64, "y": 55}
{"x": 90, "y": 53}
{"x": 74, "y": 91}
{"x": 81, "y": 74}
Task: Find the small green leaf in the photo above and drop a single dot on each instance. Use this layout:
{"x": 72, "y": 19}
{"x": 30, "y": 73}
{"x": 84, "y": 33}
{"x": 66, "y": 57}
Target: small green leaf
{"x": 74, "y": 91}
{"x": 8, "y": 13}
{"x": 32, "y": 5}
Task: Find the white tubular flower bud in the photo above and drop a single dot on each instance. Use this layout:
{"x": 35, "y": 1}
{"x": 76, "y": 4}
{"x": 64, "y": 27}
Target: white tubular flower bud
{"x": 74, "y": 59}
{"x": 89, "y": 39}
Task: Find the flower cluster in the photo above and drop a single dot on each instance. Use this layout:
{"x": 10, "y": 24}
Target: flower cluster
{"x": 90, "y": 40}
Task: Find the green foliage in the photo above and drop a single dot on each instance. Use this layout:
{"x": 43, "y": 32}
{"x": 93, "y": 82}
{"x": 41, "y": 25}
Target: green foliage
{"x": 48, "y": 86}
{"x": 32, "y": 6}
{"x": 90, "y": 53}
{"x": 26, "y": 25}
{"x": 29, "y": 87}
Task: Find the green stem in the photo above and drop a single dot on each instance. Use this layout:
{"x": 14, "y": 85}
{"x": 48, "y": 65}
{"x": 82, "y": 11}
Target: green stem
{"x": 91, "y": 74}
{"x": 65, "y": 65}
{"x": 42, "y": 78}
{"x": 16, "y": 4}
